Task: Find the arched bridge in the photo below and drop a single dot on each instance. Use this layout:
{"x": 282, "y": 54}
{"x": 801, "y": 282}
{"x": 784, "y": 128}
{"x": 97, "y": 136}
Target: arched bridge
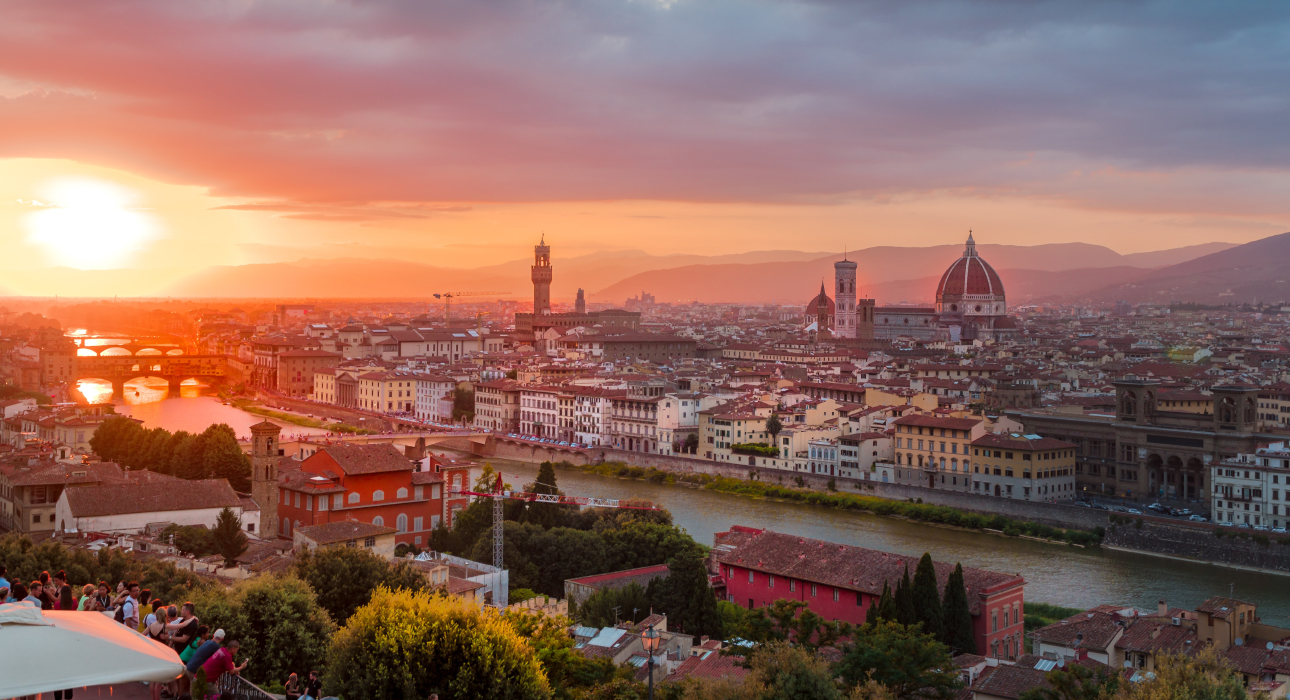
{"x": 120, "y": 369}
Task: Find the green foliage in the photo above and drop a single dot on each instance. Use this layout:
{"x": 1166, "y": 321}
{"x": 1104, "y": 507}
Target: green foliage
{"x": 278, "y": 621}
{"x": 687, "y": 598}
{"x": 214, "y": 454}
{"x": 958, "y": 634}
{"x": 1076, "y": 682}
{"x": 1205, "y": 676}
{"x": 906, "y": 608}
{"x": 755, "y": 448}
{"x": 346, "y": 577}
{"x": 409, "y": 645}
{"x": 927, "y": 598}
{"x": 190, "y": 539}
{"x": 567, "y": 670}
{"x": 1044, "y": 614}
{"x": 519, "y": 595}
{"x": 692, "y": 443}
{"x": 609, "y": 606}
{"x": 887, "y": 604}
{"x": 547, "y": 515}
{"x": 906, "y": 660}
{"x": 227, "y": 538}
{"x": 788, "y": 621}
{"x": 774, "y": 426}
{"x": 26, "y": 560}
{"x": 11, "y": 391}
{"x": 463, "y": 404}
{"x": 780, "y": 671}
{"x": 513, "y": 374}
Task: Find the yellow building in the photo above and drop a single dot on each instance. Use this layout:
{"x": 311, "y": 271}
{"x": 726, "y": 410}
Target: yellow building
{"x": 1023, "y": 467}
{"x": 932, "y": 451}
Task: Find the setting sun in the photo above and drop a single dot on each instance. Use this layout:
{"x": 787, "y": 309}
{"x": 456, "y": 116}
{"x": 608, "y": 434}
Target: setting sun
{"x": 88, "y": 224}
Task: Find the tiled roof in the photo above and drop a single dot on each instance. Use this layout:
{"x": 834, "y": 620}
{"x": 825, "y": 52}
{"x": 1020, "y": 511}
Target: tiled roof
{"x": 59, "y": 473}
{"x": 712, "y": 666}
{"x": 1099, "y": 629}
{"x": 368, "y": 459}
{"x": 1220, "y": 607}
{"x": 839, "y": 565}
{"x": 1158, "y": 636}
{"x": 641, "y": 575}
{"x": 142, "y": 497}
{"x": 1020, "y": 442}
{"x": 342, "y": 531}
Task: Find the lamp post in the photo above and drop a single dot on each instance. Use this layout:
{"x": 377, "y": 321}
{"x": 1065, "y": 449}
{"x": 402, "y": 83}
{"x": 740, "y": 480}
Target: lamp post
{"x": 650, "y": 639}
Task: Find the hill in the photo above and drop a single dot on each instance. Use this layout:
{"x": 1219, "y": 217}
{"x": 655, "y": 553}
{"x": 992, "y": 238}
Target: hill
{"x": 1255, "y": 271}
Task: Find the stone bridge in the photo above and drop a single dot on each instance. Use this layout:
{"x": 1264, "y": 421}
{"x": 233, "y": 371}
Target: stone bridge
{"x": 119, "y": 369}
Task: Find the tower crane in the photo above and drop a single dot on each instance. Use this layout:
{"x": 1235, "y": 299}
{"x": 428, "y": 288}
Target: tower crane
{"x": 448, "y": 296}
{"x": 499, "y": 494}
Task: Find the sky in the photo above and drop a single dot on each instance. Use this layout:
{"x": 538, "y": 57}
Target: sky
{"x": 168, "y": 136}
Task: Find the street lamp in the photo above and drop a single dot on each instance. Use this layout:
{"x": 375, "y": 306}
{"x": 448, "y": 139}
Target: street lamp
{"x": 650, "y": 639}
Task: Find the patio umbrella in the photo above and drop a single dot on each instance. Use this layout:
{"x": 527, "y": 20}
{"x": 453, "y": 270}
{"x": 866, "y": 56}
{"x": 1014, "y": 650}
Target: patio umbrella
{"x": 54, "y": 650}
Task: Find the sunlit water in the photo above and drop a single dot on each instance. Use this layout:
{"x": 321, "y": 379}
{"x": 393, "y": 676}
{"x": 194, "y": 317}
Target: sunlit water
{"x": 194, "y": 410}
{"x": 1054, "y": 573}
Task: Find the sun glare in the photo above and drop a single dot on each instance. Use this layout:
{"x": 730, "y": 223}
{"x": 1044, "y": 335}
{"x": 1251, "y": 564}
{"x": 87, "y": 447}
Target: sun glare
{"x": 88, "y": 224}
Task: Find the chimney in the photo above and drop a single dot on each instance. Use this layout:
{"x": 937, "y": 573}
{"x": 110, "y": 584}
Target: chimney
{"x": 1161, "y": 608}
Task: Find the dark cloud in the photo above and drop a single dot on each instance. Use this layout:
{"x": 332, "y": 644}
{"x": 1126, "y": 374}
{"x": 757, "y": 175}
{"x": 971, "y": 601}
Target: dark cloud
{"x": 713, "y": 100}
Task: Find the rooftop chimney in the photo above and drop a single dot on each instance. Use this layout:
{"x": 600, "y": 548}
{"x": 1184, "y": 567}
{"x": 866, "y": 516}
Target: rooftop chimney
{"x": 1161, "y": 608}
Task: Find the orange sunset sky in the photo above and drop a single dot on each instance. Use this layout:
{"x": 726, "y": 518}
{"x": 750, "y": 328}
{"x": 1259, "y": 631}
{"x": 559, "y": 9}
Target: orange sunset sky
{"x": 171, "y": 136}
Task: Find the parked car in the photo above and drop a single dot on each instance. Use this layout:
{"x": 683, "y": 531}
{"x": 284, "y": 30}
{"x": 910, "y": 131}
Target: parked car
{"x": 1175, "y": 512}
{"x": 1082, "y": 504}
{"x": 1198, "y": 519}
{"x": 1157, "y": 507}
{"x": 1186, "y": 511}
{"x": 1279, "y": 530}
{"x": 1243, "y": 526}
{"x": 1099, "y": 506}
{"x": 1261, "y": 528}
{"x": 1226, "y": 525}
{"x": 1134, "y": 511}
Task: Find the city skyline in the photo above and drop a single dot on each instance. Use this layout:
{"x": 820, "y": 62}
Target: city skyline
{"x": 444, "y": 134}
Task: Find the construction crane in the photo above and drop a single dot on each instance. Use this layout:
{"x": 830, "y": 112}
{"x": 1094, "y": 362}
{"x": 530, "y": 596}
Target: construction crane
{"x": 448, "y": 297}
{"x": 500, "y": 494}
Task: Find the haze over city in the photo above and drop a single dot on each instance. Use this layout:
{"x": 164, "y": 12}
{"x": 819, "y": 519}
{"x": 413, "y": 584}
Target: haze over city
{"x": 623, "y": 349}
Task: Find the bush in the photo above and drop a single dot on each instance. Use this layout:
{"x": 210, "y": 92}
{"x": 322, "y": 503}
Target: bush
{"x": 278, "y": 621}
{"x": 409, "y": 645}
{"x": 759, "y": 449}
{"x": 345, "y": 577}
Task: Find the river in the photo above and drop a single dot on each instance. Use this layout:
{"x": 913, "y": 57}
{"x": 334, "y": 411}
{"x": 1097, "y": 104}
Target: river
{"x": 1070, "y": 576}
{"x": 195, "y": 409}
{"x": 1057, "y": 574}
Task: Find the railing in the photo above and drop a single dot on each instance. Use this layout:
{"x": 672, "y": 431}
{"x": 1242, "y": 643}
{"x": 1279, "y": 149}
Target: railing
{"x": 240, "y": 688}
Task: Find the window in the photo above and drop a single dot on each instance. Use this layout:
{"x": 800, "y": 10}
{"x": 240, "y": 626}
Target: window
{"x": 812, "y": 590}
{"x": 402, "y": 493}
{"x": 994, "y": 620}
{"x": 418, "y": 524}
{"x": 353, "y": 497}
{"x": 297, "y": 499}
{"x": 835, "y": 595}
{"x": 378, "y": 495}
{"x": 370, "y": 541}
{"x": 337, "y": 501}
{"x": 322, "y": 502}
{"x": 792, "y": 585}
{"x": 770, "y": 581}
{"x": 378, "y": 520}
{"x": 309, "y": 502}
{"x": 418, "y": 492}
{"x": 750, "y": 576}
{"x": 401, "y": 523}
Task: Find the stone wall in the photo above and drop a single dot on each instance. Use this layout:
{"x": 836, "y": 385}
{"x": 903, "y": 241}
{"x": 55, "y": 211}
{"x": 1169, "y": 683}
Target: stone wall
{"x": 351, "y": 416}
{"x": 1195, "y": 543}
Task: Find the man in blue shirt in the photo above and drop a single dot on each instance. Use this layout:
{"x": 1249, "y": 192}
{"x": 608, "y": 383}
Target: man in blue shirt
{"x": 4, "y": 582}
{"x": 205, "y": 652}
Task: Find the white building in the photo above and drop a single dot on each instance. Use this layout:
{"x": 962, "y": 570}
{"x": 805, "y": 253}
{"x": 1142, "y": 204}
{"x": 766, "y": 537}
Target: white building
{"x": 1253, "y": 489}
{"x": 822, "y": 456}
{"x": 678, "y": 417}
{"x": 434, "y": 393}
{"x": 859, "y": 452}
{"x": 130, "y": 507}
{"x": 591, "y": 411}
{"x": 540, "y": 411}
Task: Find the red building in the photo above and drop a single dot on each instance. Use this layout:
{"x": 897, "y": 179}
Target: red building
{"x": 373, "y": 483}
{"x": 840, "y": 582}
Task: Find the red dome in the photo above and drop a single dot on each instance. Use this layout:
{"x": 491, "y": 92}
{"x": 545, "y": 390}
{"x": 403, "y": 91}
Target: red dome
{"x": 812, "y": 306}
{"x": 969, "y": 275}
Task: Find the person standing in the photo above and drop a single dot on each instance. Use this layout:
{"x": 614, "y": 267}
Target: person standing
{"x": 223, "y": 661}
{"x": 130, "y": 607}
{"x": 205, "y": 652}
{"x": 145, "y": 608}
{"x": 183, "y": 629}
{"x": 65, "y": 600}
{"x": 34, "y": 594}
{"x": 4, "y": 582}
{"x": 191, "y": 647}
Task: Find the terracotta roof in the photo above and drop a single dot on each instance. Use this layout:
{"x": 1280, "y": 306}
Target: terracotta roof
{"x": 1021, "y": 442}
{"x": 343, "y": 531}
{"x": 368, "y": 459}
{"x": 142, "y": 497}
{"x": 711, "y": 666}
{"x": 935, "y": 422}
{"x": 1100, "y": 631}
{"x": 59, "y": 473}
{"x": 839, "y": 565}
{"x": 1158, "y": 636}
{"x": 457, "y": 586}
{"x": 1220, "y": 607}
{"x": 642, "y": 575}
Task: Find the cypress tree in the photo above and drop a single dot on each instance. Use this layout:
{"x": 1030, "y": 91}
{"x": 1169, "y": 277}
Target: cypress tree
{"x": 927, "y": 599}
{"x": 887, "y": 604}
{"x": 906, "y": 614}
{"x": 958, "y": 619}
{"x": 872, "y": 614}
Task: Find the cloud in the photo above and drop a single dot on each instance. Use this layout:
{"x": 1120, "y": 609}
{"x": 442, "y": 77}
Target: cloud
{"x": 1137, "y": 105}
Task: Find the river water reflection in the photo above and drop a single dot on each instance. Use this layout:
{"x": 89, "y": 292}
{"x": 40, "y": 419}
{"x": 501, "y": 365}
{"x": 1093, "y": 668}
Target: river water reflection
{"x": 1055, "y": 574}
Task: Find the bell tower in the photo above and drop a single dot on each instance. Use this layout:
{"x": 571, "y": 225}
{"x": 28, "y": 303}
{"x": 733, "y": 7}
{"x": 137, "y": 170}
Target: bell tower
{"x": 542, "y": 278}
{"x": 264, "y": 475}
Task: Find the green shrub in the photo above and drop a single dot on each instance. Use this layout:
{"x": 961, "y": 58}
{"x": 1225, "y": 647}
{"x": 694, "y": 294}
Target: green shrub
{"x": 759, "y": 449}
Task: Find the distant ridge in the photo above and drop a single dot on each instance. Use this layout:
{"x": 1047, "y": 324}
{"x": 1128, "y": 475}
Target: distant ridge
{"x": 1258, "y": 270}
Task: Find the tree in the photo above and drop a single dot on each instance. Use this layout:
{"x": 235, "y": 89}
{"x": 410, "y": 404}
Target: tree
{"x": 346, "y": 577}
{"x": 409, "y": 645}
{"x": 227, "y": 538}
{"x": 908, "y": 661}
{"x": 278, "y": 621}
{"x": 486, "y": 482}
{"x": 774, "y": 426}
{"x": 959, "y": 634}
{"x": 637, "y": 544}
{"x": 789, "y": 621}
{"x": 927, "y": 599}
{"x": 887, "y": 604}
{"x": 223, "y": 457}
{"x": 567, "y": 670}
{"x": 609, "y": 606}
{"x": 190, "y": 539}
{"x": 906, "y": 612}
{"x": 1076, "y": 682}
{"x": 1205, "y": 676}
{"x": 692, "y": 443}
{"x": 687, "y": 598}
{"x": 548, "y": 515}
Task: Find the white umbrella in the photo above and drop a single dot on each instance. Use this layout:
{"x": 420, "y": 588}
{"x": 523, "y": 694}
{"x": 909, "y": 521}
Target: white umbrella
{"x": 88, "y": 649}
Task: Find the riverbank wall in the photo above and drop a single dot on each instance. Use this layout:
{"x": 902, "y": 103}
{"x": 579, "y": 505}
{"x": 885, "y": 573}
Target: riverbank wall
{"x": 327, "y": 412}
{"x": 1168, "y": 539}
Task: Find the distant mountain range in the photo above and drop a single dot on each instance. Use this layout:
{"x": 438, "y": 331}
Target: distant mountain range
{"x": 1209, "y": 273}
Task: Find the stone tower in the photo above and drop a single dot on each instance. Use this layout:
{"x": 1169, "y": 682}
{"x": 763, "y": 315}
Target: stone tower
{"x": 864, "y": 319}
{"x": 264, "y": 475}
{"x": 580, "y": 306}
{"x": 542, "y": 278}
{"x": 822, "y": 314}
{"x": 844, "y": 298}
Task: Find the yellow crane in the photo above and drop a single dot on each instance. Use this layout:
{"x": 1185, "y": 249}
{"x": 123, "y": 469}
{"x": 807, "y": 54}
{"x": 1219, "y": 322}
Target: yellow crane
{"x": 448, "y": 297}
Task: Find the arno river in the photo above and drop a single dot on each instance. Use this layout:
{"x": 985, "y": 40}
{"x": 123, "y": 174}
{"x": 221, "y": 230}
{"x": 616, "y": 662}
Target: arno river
{"x": 1055, "y": 574}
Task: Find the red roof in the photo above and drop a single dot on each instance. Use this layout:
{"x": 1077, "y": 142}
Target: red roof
{"x": 593, "y": 581}
{"x": 969, "y": 275}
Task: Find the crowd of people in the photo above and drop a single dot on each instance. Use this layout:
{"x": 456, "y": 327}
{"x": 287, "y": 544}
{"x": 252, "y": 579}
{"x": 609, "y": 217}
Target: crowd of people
{"x": 176, "y": 626}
